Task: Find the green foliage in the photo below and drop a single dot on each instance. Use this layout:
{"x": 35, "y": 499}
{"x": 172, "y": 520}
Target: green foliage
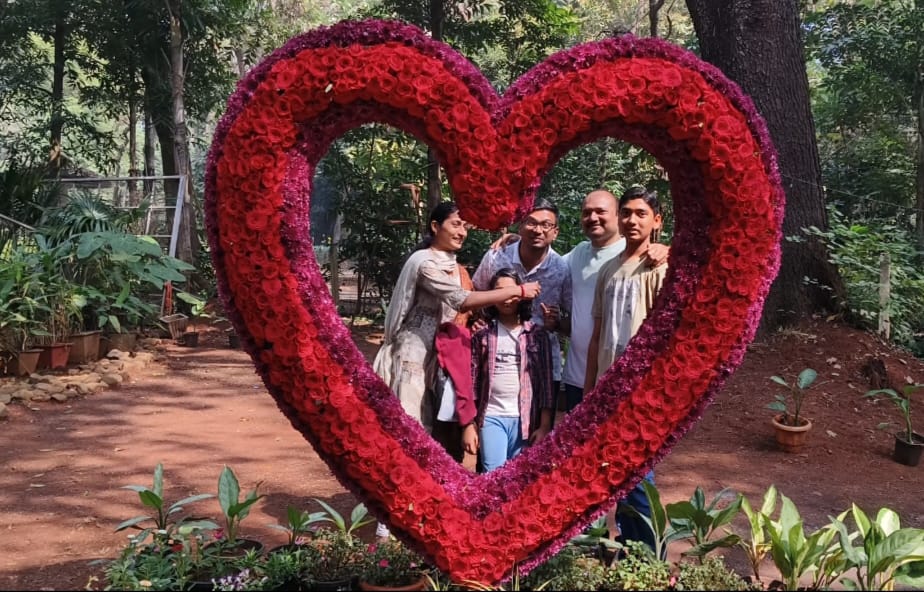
{"x": 358, "y": 517}
{"x": 144, "y": 568}
{"x": 569, "y": 569}
{"x": 87, "y": 212}
{"x": 755, "y": 544}
{"x": 24, "y": 196}
{"x": 596, "y": 538}
{"x": 297, "y": 523}
{"x": 639, "y": 570}
{"x": 391, "y": 563}
{"x": 380, "y": 224}
{"x": 795, "y": 552}
{"x": 700, "y": 521}
{"x": 712, "y": 574}
{"x": 855, "y": 249}
{"x": 164, "y": 525}
{"x": 903, "y": 402}
{"x": 865, "y": 100}
{"x": 119, "y": 276}
{"x": 886, "y": 552}
{"x": 333, "y": 555}
{"x": 790, "y": 403}
{"x": 233, "y": 508}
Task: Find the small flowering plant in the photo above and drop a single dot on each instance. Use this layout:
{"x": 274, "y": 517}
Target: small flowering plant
{"x": 392, "y": 564}
{"x": 332, "y": 556}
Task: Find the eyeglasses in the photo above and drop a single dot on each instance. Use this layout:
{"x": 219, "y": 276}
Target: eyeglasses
{"x": 544, "y": 226}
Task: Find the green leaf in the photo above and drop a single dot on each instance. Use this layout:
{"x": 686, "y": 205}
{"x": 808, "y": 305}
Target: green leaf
{"x": 779, "y": 380}
{"x": 188, "y": 500}
{"x": 806, "y": 378}
{"x": 228, "y": 490}
{"x": 151, "y": 499}
{"x": 132, "y": 522}
{"x": 159, "y": 480}
{"x": 332, "y": 515}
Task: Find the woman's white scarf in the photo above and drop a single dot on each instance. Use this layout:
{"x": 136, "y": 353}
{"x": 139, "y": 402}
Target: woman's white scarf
{"x": 402, "y": 299}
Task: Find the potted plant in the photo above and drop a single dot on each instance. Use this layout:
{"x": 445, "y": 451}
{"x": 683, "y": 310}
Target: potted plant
{"x": 334, "y": 556}
{"x": 163, "y": 526}
{"x": 23, "y": 309}
{"x": 791, "y": 428}
{"x": 200, "y": 314}
{"x": 122, "y": 277}
{"x": 297, "y": 527}
{"x": 392, "y": 566}
{"x": 908, "y": 443}
{"x": 235, "y": 510}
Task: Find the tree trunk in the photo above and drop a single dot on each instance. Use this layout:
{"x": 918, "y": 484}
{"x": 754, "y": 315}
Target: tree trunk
{"x": 150, "y": 154}
{"x": 758, "y": 44}
{"x": 654, "y": 7}
{"x": 187, "y": 239}
{"x": 918, "y": 95}
{"x": 434, "y": 179}
{"x": 56, "y": 156}
{"x": 133, "y": 197}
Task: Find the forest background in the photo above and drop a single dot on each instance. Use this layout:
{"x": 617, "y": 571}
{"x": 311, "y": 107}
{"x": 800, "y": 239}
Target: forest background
{"x": 96, "y": 88}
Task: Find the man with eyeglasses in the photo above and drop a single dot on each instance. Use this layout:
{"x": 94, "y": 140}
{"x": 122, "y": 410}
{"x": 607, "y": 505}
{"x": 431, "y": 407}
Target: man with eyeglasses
{"x": 536, "y": 261}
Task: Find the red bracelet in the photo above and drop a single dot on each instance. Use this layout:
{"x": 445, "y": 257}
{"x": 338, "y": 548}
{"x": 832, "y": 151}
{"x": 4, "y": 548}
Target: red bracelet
{"x": 522, "y": 291}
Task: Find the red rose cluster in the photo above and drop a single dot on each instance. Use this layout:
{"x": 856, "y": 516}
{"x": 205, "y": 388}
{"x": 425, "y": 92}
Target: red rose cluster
{"x": 728, "y": 205}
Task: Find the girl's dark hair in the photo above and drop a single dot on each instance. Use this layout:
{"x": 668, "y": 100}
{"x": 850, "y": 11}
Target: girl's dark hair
{"x": 524, "y": 308}
{"x": 439, "y": 214}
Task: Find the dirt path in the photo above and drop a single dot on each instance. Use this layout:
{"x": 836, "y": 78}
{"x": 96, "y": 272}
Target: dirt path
{"x": 62, "y": 465}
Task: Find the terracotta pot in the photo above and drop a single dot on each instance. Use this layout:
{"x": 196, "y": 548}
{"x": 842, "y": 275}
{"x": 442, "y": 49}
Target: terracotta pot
{"x": 84, "y": 348}
{"x": 54, "y": 356}
{"x": 791, "y": 438}
{"x": 420, "y": 584}
{"x": 908, "y": 453}
{"x": 24, "y": 363}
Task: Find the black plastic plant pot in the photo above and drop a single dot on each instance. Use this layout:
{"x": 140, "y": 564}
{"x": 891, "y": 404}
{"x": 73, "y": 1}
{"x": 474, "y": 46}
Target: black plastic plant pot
{"x": 908, "y": 453}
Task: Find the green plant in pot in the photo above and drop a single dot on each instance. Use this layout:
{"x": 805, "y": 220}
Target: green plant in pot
{"x": 333, "y": 556}
{"x": 235, "y": 510}
{"x": 886, "y": 554}
{"x": 791, "y": 427}
{"x": 122, "y": 275}
{"x": 297, "y": 526}
{"x": 392, "y": 565}
{"x": 163, "y": 523}
{"x": 908, "y": 443}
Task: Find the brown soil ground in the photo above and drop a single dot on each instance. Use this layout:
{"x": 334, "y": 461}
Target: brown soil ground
{"x": 62, "y": 466}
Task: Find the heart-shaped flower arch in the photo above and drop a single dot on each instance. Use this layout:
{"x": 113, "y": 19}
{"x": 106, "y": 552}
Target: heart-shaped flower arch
{"x": 728, "y": 205}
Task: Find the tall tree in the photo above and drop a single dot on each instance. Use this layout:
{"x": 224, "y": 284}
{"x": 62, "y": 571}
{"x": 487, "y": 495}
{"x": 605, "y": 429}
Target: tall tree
{"x": 758, "y": 44}
{"x": 867, "y": 103}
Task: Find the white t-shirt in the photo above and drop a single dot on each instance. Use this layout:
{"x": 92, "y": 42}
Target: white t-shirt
{"x": 504, "y": 395}
{"x": 585, "y": 262}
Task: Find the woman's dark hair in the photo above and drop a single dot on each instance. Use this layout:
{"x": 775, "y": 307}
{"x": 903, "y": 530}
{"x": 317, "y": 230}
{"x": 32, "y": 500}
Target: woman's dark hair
{"x": 639, "y": 192}
{"x": 439, "y": 214}
{"x": 524, "y": 308}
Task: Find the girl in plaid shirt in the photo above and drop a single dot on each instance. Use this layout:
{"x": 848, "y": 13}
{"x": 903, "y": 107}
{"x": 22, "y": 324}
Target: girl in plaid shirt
{"x": 512, "y": 380}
